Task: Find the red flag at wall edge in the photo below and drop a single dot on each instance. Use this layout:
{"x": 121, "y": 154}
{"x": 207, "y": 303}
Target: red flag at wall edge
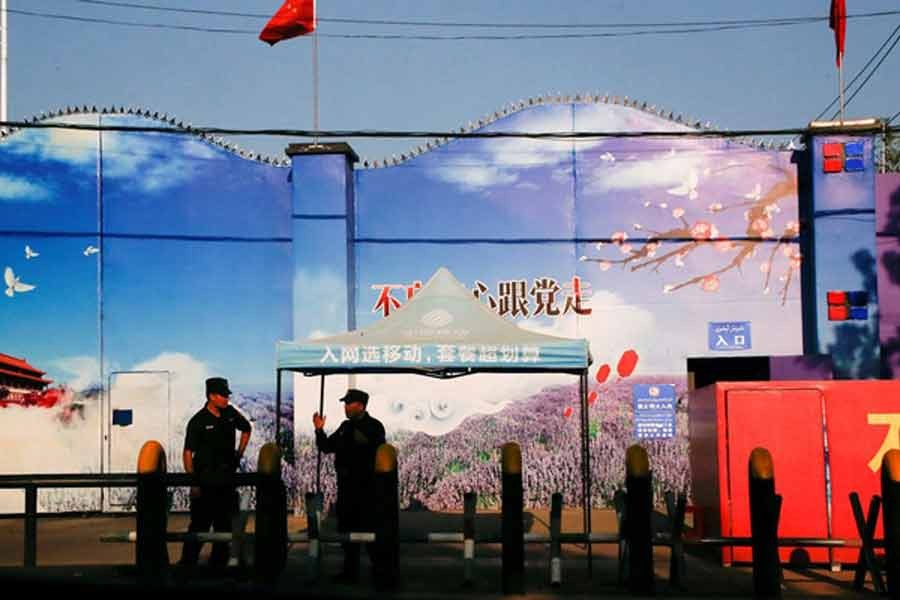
{"x": 838, "y": 22}
{"x": 295, "y": 17}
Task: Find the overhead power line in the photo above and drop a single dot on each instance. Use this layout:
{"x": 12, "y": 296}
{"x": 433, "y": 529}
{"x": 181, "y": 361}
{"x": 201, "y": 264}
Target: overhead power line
{"x": 397, "y": 134}
{"x": 860, "y": 73}
{"x": 673, "y": 29}
{"x": 872, "y": 72}
{"x": 423, "y": 23}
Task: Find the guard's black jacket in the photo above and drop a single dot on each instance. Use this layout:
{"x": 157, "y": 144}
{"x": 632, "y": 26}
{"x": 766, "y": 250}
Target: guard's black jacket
{"x": 353, "y": 444}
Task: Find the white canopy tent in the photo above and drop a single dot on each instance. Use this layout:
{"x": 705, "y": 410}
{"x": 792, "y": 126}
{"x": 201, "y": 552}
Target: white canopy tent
{"x": 443, "y": 332}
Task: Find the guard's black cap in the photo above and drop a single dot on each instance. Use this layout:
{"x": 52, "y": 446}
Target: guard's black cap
{"x": 217, "y": 385}
{"x": 354, "y": 395}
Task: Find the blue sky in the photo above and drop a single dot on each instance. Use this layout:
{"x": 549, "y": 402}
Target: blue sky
{"x": 757, "y": 78}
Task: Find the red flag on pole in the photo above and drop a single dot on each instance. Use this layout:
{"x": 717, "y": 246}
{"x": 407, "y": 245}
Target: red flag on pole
{"x": 838, "y": 22}
{"x": 295, "y": 17}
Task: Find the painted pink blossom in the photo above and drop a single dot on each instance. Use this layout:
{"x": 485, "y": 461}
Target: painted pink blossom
{"x": 710, "y": 283}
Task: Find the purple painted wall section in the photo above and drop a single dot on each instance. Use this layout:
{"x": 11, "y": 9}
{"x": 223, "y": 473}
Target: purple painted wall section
{"x": 887, "y": 198}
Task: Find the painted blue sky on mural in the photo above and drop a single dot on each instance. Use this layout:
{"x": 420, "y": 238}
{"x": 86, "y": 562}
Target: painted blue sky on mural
{"x": 194, "y": 244}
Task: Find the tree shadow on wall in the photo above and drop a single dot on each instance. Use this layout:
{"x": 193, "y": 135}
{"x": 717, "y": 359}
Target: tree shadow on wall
{"x": 854, "y": 351}
{"x": 891, "y": 262}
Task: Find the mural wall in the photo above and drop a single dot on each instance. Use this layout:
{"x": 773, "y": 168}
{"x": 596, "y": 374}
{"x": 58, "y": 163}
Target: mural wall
{"x": 652, "y": 248}
{"x": 190, "y": 278}
{"x": 136, "y": 264}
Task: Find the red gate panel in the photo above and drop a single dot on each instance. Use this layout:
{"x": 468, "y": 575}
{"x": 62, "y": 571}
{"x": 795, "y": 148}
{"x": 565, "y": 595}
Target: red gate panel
{"x": 863, "y": 422}
{"x": 787, "y": 422}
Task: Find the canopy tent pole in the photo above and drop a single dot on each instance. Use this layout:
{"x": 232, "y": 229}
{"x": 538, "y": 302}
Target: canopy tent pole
{"x": 278, "y": 407}
{"x": 586, "y": 465}
{"x": 319, "y": 452}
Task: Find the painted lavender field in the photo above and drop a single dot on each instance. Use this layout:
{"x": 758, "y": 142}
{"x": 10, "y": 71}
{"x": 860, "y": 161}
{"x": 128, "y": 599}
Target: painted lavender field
{"x": 435, "y": 471}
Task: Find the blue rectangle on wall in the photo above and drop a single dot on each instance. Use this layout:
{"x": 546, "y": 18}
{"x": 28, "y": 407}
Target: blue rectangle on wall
{"x": 654, "y": 411}
{"x": 853, "y": 164}
{"x": 122, "y": 417}
{"x": 729, "y": 335}
{"x": 853, "y": 149}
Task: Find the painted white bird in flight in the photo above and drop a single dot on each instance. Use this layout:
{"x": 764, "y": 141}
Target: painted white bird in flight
{"x": 91, "y": 250}
{"x": 29, "y": 253}
{"x": 607, "y": 157}
{"x": 13, "y": 285}
{"x": 756, "y": 194}
{"x": 688, "y": 187}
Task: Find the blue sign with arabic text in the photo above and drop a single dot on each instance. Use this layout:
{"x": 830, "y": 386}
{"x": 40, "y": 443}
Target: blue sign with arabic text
{"x": 729, "y": 335}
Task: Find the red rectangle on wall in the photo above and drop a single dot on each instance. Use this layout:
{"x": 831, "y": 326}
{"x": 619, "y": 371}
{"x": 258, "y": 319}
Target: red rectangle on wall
{"x": 836, "y": 297}
{"x": 862, "y": 422}
{"x": 833, "y": 150}
{"x": 788, "y": 423}
{"x": 833, "y": 165}
{"x": 838, "y": 312}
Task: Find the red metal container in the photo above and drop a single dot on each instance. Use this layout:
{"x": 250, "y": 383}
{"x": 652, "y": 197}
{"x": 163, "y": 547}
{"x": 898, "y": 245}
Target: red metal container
{"x": 857, "y": 421}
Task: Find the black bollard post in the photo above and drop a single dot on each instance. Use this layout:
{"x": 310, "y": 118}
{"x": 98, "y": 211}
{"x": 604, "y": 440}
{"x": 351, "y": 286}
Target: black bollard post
{"x": 314, "y": 554}
{"x": 675, "y": 509}
{"x": 270, "y": 547}
{"x": 151, "y": 554}
{"x": 513, "y": 556}
{"x": 387, "y": 519}
{"x": 764, "y": 511}
{"x": 469, "y": 501}
{"x": 555, "y": 545}
{"x": 638, "y": 526}
{"x": 890, "y": 494}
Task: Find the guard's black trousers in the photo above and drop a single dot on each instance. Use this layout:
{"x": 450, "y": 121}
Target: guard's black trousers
{"x": 215, "y": 506}
{"x": 354, "y": 515}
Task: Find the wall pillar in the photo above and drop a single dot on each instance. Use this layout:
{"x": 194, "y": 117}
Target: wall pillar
{"x": 840, "y": 300}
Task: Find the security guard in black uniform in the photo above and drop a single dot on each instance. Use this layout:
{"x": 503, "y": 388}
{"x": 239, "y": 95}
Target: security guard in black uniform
{"x": 209, "y": 453}
{"x": 354, "y": 445}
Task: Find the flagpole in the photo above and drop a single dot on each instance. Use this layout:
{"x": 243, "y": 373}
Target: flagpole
{"x": 315, "y": 54}
{"x": 841, "y": 86}
{"x": 3, "y": 60}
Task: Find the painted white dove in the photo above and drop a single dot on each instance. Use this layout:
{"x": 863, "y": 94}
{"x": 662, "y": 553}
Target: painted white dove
{"x": 688, "y": 187}
{"x": 756, "y": 194}
{"x": 29, "y": 253}
{"x": 91, "y": 250}
{"x": 13, "y": 285}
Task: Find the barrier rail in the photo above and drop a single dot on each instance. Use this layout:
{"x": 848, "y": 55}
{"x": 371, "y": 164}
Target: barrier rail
{"x": 635, "y": 537}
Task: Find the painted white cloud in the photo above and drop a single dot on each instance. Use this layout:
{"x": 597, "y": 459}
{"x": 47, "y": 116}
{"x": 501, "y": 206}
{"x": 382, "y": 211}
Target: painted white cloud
{"x": 500, "y": 161}
{"x": 665, "y": 170}
{"x": 155, "y": 161}
{"x": 63, "y": 145}
{"x": 612, "y": 327}
{"x": 20, "y": 189}
{"x": 320, "y": 298}
{"x": 474, "y": 177}
{"x": 83, "y": 371}
{"x": 163, "y": 393}
{"x": 37, "y": 440}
